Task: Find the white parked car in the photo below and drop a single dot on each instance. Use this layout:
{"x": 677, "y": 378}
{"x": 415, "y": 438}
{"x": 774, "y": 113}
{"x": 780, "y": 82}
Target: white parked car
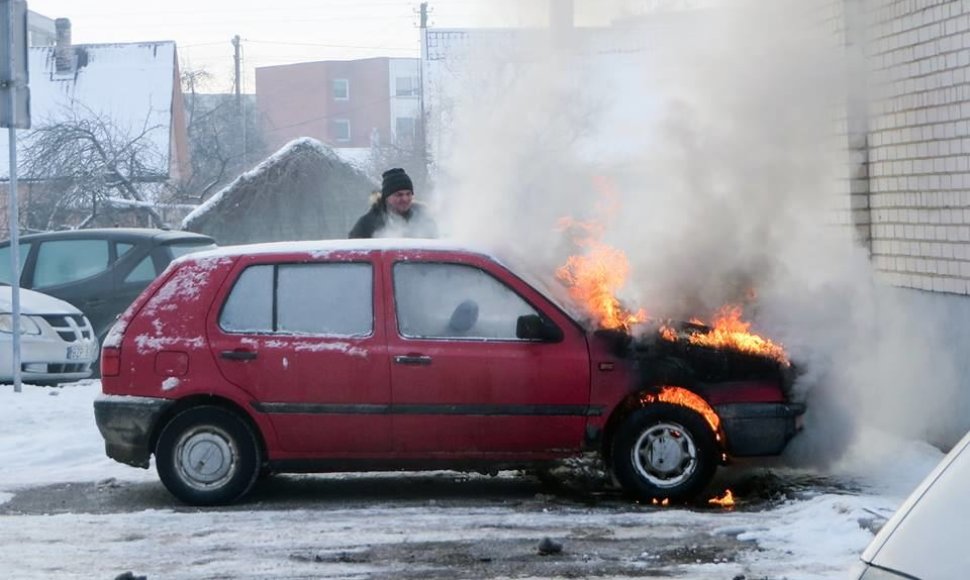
{"x": 57, "y": 342}
{"x": 925, "y": 537}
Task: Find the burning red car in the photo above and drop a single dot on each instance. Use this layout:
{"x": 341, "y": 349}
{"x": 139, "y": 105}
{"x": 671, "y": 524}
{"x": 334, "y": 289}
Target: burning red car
{"x": 392, "y": 355}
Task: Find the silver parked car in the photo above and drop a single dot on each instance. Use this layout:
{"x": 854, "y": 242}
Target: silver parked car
{"x": 925, "y": 537}
{"x": 57, "y": 342}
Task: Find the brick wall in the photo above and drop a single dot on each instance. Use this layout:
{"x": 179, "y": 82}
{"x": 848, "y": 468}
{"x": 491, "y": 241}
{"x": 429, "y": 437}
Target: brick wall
{"x": 918, "y": 141}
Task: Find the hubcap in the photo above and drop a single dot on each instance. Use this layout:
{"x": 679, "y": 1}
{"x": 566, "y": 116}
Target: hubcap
{"x": 205, "y": 458}
{"x": 665, "y": 455}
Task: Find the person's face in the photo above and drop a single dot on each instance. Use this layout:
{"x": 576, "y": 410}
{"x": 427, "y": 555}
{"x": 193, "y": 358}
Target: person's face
{"x": 400, "y": 201}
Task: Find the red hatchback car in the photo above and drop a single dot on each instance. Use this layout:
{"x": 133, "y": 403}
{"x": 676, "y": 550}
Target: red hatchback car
{"x": 390, "y": 354}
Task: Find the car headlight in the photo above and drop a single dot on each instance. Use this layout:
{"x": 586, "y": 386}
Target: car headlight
{"x": 27, "y": 324}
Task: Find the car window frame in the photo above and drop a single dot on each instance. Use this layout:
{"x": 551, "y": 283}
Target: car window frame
{"x": 275, "y": 264}
{"x": 438, "y": 260}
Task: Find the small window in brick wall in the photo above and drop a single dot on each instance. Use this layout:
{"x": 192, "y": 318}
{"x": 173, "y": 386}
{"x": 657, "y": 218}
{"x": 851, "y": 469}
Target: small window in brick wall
{"x": 341, "y": 129}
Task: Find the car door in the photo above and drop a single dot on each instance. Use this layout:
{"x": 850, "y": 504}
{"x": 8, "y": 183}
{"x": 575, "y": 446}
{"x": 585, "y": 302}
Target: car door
{"x": 304, "y": 340}
{"x": 462, "y": 382}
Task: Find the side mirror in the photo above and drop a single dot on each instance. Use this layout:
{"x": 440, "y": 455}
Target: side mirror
{"x": 535, "y": 327}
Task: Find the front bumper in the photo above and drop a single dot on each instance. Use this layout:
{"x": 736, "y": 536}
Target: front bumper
{"x": 753, "y": 429}
{"x": 48, "y": 360}
{"x": 126, "y": 423}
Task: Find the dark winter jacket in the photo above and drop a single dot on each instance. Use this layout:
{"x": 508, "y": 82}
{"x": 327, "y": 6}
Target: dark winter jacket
{"x": 379, "y": 223}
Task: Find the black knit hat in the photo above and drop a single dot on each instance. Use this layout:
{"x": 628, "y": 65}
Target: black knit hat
{"x": 394, "y": 180}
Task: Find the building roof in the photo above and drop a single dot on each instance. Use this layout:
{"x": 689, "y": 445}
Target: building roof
{"x": 129, "y": 84}
{"x": 303, "y": 191}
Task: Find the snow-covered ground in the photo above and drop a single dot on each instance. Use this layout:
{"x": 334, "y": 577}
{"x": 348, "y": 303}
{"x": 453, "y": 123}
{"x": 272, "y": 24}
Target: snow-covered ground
{"x": 48, "y": 437}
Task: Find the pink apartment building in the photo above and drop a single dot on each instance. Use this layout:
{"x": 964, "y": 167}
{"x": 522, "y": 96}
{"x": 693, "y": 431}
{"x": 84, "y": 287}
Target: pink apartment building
{"x": 346, "y": 104}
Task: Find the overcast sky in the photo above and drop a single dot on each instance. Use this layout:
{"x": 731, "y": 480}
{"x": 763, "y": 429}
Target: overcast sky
{"x": 286, "y": 31}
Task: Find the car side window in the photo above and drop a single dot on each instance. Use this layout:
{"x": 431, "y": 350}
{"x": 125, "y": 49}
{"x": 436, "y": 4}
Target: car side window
{"x": 63, "y": 261}
{"x": 436, "y": 300}
{"x": 5, "y": 275}
{"x": 329, "y": 299}
{"x": 121, "y": 248}
{"x": 249, "y": 307}
{"x": 143, "y": 272}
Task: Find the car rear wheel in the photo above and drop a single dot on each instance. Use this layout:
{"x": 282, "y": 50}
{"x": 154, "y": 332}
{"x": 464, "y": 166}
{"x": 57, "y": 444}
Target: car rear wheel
{"x": 664, "y": 451}
{"x": 207, "y": 456}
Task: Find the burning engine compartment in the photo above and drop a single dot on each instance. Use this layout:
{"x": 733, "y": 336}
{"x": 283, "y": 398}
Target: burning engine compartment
{"x": 692, "y": 355}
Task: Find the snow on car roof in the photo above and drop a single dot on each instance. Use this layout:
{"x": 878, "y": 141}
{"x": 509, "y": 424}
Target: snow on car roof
{"x": 323, "y": 247}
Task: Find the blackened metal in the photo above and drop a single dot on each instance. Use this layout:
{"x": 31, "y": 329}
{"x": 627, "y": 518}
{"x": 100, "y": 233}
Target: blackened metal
{"x": 754, "y": 429}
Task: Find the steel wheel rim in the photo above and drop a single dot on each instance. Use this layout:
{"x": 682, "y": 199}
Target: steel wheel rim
{"x": 665, "y": 455}
{"x": 206, "y": 458}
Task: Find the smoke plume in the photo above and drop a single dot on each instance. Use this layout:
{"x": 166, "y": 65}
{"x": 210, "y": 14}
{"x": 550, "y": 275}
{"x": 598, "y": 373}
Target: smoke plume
{"x": 712, "y": 143}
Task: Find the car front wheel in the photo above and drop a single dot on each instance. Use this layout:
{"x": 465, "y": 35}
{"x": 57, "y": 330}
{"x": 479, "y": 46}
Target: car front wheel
{"x": 207, "y": 456}
{"x": 664, "y": 451}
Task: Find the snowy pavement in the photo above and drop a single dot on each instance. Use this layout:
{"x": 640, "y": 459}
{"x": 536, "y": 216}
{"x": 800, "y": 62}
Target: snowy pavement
{"x": 70, "y": 512}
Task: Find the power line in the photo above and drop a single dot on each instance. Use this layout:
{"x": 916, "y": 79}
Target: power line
{"x": 329, "y": 45}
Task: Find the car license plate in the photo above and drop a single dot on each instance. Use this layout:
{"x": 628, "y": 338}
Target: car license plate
{"x": 80, "y": 351}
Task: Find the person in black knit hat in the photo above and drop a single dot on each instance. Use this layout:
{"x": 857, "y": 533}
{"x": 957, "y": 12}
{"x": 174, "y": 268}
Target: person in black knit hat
{"x": 395, "y": 214}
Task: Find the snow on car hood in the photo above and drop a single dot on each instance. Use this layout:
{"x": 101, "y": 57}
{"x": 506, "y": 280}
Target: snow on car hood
{"x": 35, "y": 303}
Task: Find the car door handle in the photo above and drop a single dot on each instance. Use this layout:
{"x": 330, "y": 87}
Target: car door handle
{"x": 238, "y": 354}
{"x": 412, "y": 359}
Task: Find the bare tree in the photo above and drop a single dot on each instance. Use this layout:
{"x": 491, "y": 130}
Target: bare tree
{"x": 79, "y": 162}
{"x": 224, "y": 141}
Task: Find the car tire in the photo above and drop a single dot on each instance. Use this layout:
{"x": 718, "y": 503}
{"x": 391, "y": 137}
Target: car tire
{"x": 664, "y": 452}
{"x": 207, "y": 456}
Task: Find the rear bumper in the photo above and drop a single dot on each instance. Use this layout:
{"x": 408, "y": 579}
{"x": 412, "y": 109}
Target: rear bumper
{"x": 126, "y": 423}
{"x": 753, "y": 429}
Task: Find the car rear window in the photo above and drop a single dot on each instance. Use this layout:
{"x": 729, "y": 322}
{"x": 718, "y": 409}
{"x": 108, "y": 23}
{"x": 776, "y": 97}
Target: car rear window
{"x": 332, "y": 299}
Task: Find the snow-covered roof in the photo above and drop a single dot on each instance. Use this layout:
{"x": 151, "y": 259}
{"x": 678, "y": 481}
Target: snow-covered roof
{"x": 129, "y": 84}
{"x": 271, "y": 161}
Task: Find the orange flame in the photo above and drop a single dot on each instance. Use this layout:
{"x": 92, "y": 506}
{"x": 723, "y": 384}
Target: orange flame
{"x": 729, "y": 331}
{"x": 668, "y": 333}
{"x": 685, "y": 398}
{"x": 725, "y": 501}
{"x": 661, "y": 502}
{"x": 594, "y": 278}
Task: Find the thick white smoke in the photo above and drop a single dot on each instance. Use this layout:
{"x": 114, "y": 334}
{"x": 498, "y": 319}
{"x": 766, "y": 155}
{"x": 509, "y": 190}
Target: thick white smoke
{"x": 722, "y": 134}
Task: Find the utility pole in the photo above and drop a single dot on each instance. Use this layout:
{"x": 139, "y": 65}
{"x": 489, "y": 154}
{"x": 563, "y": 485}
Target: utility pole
{"x": 237, "y": 58}
{"x": 423, "y": 137}
{"x": 238, "y": 80}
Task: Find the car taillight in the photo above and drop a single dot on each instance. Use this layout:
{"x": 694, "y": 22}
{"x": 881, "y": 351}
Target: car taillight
{"x": 110, "y": 361}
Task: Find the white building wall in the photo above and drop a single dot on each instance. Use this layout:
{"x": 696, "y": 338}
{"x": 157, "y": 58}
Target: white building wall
{"x": 919, "y": 142}
{"x": 405, "y": 94}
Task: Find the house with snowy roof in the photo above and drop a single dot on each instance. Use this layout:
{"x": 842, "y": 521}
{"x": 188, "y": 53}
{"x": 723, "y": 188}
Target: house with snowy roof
{"x": 131, "y": 90}
{"x": 303, "y": 191}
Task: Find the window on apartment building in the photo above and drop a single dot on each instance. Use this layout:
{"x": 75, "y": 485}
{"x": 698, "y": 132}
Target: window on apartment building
{"x": 341, "y": 89}
{"x": 405, "y": 129}
{"x": 341, "y": 130}
{"x": 407, "y": 86}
